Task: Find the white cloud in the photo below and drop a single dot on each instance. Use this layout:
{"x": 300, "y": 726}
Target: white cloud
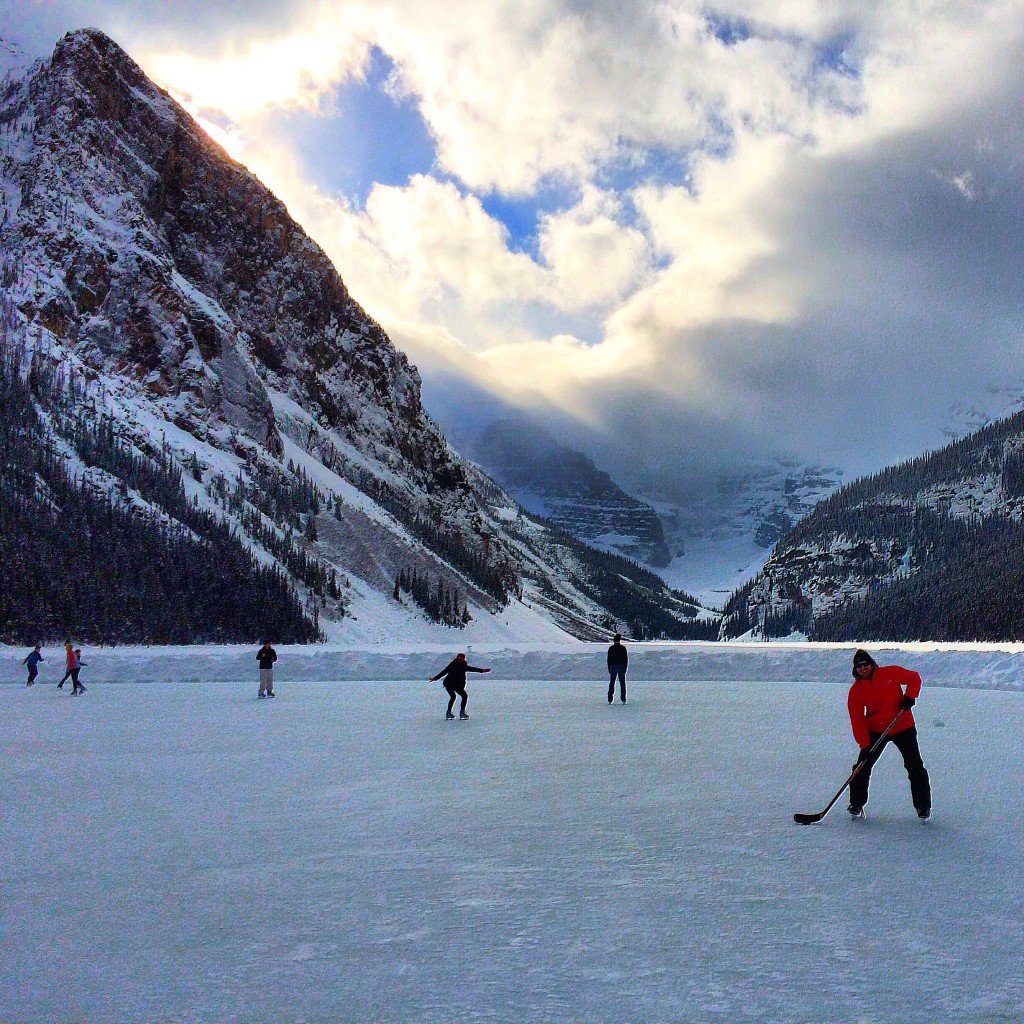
{"x": 516, "y": 94}
{"x": 594, "y": 258}
{"x": 791, "y": 253}
{"x": 441, "y": 236}
{"x": 295, "y": 70}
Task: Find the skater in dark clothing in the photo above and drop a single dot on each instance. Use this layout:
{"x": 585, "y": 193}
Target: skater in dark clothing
{"x": 454, "y": 674}
{"x": 266, "y": 656}
{"x": 76, "y": 667}
{"x": 880, "y": 693}
{"x": 32, "y": 661}
{"x": 69, "y": 664}
{"x": 618, "y": 662}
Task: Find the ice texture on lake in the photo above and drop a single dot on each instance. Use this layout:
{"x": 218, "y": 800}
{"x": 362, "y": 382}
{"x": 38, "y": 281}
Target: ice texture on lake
{"x": 185, "y": 852}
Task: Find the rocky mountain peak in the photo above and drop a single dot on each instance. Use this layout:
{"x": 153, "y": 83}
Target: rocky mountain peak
{"x": 193, "y": 312}
{"x": 175, "y": 260}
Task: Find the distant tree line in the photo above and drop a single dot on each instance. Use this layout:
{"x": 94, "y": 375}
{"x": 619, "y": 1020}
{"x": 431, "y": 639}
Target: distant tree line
{"x": 473, "y": 554}
{"x": 276, "y": 510}
{"x": 986, "y": 451}
{"x": 969, "y": 586}
{"x": 101, "y": 543}
{"x": 928, "y": 574}
{"x": 633, "y": 595}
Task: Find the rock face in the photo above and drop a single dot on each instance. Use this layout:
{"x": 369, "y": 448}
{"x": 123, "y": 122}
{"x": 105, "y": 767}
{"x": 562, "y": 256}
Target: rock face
{"x": 143, "y": 248}
{"x": 198, "y": 316}
{"x": 564, "y": 486}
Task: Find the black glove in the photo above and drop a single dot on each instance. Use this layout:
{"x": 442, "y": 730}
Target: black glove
{"x": 907, "y": 703}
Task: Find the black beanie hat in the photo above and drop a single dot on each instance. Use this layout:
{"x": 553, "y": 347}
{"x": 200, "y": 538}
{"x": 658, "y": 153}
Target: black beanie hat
{"x": 861, "y": 657}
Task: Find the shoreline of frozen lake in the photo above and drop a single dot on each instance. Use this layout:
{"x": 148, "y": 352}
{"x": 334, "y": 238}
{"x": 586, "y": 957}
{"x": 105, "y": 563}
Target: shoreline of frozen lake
{"x": 977, "y": 666}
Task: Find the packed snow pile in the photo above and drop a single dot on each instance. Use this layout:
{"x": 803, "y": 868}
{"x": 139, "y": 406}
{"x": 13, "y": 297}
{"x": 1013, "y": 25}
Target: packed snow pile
{"x": 980, "y": 666}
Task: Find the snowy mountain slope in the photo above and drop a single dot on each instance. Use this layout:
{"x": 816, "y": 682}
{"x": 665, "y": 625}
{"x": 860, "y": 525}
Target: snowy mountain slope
{"x": 722, "y": 535}
{"x": 706, "y": 535}
{"x": 929, "y": 549}
{"x": 997, "y": 402}
{"x": 209, "y": 328}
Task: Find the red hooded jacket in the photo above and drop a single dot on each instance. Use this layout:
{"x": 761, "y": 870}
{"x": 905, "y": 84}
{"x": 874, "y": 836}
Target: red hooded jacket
{"x": 873, "y": 702}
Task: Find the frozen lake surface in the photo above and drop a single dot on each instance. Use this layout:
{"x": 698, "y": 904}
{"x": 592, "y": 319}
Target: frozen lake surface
{"x": 184, "y": 852}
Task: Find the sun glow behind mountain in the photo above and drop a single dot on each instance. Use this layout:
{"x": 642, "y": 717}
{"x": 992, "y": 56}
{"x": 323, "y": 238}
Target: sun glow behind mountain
{"x": 725, "y": 220}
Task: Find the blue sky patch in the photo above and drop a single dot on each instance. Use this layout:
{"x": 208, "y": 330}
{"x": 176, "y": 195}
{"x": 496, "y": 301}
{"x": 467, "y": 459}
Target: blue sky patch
{"x": 652, "y": 165}
{"x": 368, "y": 137}
{"x": 522, "y": 214}
{"x": 835, "y": 56}
{"x": 729, "y": 30}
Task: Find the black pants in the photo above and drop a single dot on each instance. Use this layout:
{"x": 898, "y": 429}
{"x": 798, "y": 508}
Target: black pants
{"x": 452, "y": 692}
{"x": 67, "y": 676}
{"x": 617, "y": 670}
{"x": 905, "y": 742}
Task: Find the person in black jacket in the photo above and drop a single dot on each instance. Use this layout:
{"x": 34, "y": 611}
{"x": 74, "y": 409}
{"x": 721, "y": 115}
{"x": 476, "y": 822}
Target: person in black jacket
{"x": 454, "y": 674}
{"x": 618, "y": 662}
{"x": 266, "y": 656}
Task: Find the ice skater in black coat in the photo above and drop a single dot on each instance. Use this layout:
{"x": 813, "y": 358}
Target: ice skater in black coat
{"x": 454, "y": 674}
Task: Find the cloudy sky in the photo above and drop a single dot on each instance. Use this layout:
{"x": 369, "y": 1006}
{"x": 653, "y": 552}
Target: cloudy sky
{"x": 693, "y": 229}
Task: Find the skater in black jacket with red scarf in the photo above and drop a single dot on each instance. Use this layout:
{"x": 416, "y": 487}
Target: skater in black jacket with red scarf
{"x": 454, "y": 674}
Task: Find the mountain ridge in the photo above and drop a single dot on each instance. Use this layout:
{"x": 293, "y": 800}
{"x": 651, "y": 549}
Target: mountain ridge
{"x": 928, "y": 549}
{"x": 212, "y": 329}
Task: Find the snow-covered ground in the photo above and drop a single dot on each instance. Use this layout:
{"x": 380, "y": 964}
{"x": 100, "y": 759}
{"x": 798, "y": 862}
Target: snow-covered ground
{"x": 374, "y": 620}
{"x": 175, "y": 850}
{"x": 714, "y": 567}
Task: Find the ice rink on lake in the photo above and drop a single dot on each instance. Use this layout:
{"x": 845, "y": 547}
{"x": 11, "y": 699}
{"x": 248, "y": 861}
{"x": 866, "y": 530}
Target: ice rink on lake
{"x": 184, "y": 852}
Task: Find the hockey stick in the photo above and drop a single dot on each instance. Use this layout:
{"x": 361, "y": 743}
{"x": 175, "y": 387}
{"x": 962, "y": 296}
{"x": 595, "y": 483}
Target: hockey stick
{"x": 809, "y": 819}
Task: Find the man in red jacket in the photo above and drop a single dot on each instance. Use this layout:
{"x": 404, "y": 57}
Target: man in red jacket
{"x": 876, "y": 698}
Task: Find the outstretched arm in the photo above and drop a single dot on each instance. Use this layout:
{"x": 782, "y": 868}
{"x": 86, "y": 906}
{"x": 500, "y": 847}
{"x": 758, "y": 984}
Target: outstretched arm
{"x": 443, "y": 672}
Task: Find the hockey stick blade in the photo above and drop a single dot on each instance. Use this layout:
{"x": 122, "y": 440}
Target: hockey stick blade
{"x": 808, "y": 819}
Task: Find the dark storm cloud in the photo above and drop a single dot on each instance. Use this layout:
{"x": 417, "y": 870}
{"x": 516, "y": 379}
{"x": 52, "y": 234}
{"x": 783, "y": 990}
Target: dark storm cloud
{"x": 910, "y": 254}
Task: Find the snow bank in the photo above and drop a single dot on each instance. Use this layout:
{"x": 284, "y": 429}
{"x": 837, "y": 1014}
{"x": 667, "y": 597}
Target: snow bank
{"x": 994, "y": 667}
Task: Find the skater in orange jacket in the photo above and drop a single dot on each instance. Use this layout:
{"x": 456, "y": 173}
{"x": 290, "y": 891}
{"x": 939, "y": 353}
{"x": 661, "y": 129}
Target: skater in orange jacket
{"x": 879, "y": 694}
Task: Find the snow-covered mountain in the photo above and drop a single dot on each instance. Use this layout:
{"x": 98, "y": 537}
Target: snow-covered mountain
{"x": 174, "y": 290}
{"x": 705, "y": 532}
{"x": 564, "y": 486}
{"x": 721, "y": 535}
{"x": 930, "y": 549}
{"x": 996, "y": 402}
